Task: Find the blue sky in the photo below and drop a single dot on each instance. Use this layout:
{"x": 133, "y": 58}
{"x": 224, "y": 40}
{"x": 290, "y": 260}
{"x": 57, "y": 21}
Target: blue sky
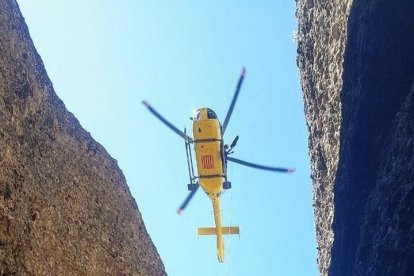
{"x": 104, "y": 57}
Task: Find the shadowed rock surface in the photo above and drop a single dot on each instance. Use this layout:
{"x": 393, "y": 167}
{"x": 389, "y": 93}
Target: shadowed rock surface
{"x": 65, "y": 207}
{"x": 365, "y": 176}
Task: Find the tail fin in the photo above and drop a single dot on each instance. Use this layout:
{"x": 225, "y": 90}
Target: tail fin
{"x": 202, "y": 231}
{"x": 219, "y": 232}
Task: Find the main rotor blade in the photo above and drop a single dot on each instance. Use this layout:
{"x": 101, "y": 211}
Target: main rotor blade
{"x": 261, "y": 167}
{"x": 234, "y": 143}
{"x": 233, "y": 102}
{"x": 167, "y": 123}
{"x": 186, "y": 201}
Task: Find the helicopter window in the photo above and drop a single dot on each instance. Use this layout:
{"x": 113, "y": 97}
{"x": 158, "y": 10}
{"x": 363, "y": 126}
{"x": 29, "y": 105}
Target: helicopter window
{"x": 211, "y": 114}
{"x": 198, "y": 114}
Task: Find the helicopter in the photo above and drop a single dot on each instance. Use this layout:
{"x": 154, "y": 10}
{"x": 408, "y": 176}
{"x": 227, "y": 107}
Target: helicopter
{"x": 211, "y": 157}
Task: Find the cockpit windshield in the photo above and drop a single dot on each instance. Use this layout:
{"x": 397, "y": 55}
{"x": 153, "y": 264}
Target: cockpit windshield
{"x": 211, "y": 114}
{"x": 202, "y": 112}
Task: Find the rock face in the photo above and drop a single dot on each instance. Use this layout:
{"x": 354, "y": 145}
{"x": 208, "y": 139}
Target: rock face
{"x": 65, "y": 207}
{"x": 321, "y": 39}
{"x": 364, "y": 176}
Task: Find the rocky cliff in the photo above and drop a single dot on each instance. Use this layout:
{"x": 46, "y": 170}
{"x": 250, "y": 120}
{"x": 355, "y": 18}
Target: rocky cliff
{"x": 356, "y": 61}
{"x": 65, "y": 207}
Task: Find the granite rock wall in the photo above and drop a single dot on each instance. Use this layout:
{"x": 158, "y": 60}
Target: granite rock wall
{"x": 357, "y": 70}
{"x": 65, "y": 207}
{"x": 321, "y": 38}
{"x": 371, "y": 191}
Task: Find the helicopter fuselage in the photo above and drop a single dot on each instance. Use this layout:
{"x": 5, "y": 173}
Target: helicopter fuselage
{"x": 209, "y": 151}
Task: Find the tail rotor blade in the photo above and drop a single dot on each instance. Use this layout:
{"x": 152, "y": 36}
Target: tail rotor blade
{"x": 186, "y": 201}
{"x": 167, "y": 123}
{"x": 261, "y": 167}
{"x": 233, "y": 102}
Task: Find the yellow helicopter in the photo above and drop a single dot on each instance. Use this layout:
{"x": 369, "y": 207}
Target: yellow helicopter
{"x": 211, "y": 157}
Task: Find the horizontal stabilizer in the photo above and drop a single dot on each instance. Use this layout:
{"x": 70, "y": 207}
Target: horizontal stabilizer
{"x": 224, "y": 230}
